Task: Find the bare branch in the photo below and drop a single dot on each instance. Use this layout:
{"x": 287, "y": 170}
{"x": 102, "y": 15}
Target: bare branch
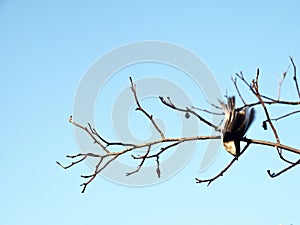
{"x": 284, "y": 116}
{"x": 241, "y": 77}
{"x": 94, "y": 132}
{"x": 255, "y": 86}
{"x": 207, "y": 111}
{"x": 210, "y": 180}
{"x": 295, "y": 76}
{"x": 90, "y": 132}
{"x": 101, "y": 165}
{"x": 150, "y": 117}
{"x": 142, "y": 162}
{"x": 72, "y": 163}
{"x": 281, "y": 81}
{"x": 237, "y": 89}
{"x": 188, "y": 110}
{"x": 284, "y": 170}
{"x": 215, "y": 106}
{"x": 250, "y": 86}
{"x": 272, "y": 144}
{"x": 107, "y": 156}
{"x": 275, "y": 102}
{"x": 279, "y": 150}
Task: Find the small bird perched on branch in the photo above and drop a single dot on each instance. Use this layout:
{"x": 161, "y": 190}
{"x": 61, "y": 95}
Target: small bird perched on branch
{"x": 236, "y": 124}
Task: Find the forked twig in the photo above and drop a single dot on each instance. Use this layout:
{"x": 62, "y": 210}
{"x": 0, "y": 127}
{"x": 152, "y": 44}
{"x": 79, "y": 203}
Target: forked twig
{"x": 210, "y": 180}
{"x": 140, "y": 108}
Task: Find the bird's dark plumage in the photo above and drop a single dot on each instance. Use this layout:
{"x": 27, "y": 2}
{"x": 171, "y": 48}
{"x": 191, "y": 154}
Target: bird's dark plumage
{"x": 236, "y": 124}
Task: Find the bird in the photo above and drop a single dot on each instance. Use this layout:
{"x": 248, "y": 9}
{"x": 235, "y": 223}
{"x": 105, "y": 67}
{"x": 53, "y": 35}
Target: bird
{"x": 235, "y": 125}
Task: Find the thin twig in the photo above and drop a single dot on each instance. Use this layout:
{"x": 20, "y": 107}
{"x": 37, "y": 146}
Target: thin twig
{"x": 284, "y": 116}
{"x": 284, "y": 170}
{"x": 207, "y": 111}
{"x": 255, "y": 86}
{"x": 142, "y": 162}
{"x": 295, "y": 76}
{"x": 72, "y": 163}
{"x": 140, "y": 108}
{"x": 97, "y": 171}
{"x": 249, "y": 85}
{"x": 275, "y": 102}
{"x": 89, "y": 132}
{"x": 210, "y": 180}
{"x": 93, "y": 130}
{"x": 214, "y": 105}
{"x": 238, "y": 91}
{"x": 188, "y": 110}
{"x": 280, "y": 82}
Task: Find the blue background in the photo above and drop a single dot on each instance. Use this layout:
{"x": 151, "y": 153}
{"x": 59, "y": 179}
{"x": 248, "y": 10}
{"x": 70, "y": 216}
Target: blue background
{"x": 45, "y": 49}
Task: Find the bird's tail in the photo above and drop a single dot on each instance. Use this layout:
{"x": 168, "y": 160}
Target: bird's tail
{"x": 229, "y": 106}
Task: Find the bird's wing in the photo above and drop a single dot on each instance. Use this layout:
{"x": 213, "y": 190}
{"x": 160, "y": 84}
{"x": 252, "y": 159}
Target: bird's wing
{"x": 250, "y": 115}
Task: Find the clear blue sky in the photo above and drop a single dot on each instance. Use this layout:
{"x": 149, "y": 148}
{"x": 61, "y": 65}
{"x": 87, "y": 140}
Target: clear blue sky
{"x": 45, "y": 49}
